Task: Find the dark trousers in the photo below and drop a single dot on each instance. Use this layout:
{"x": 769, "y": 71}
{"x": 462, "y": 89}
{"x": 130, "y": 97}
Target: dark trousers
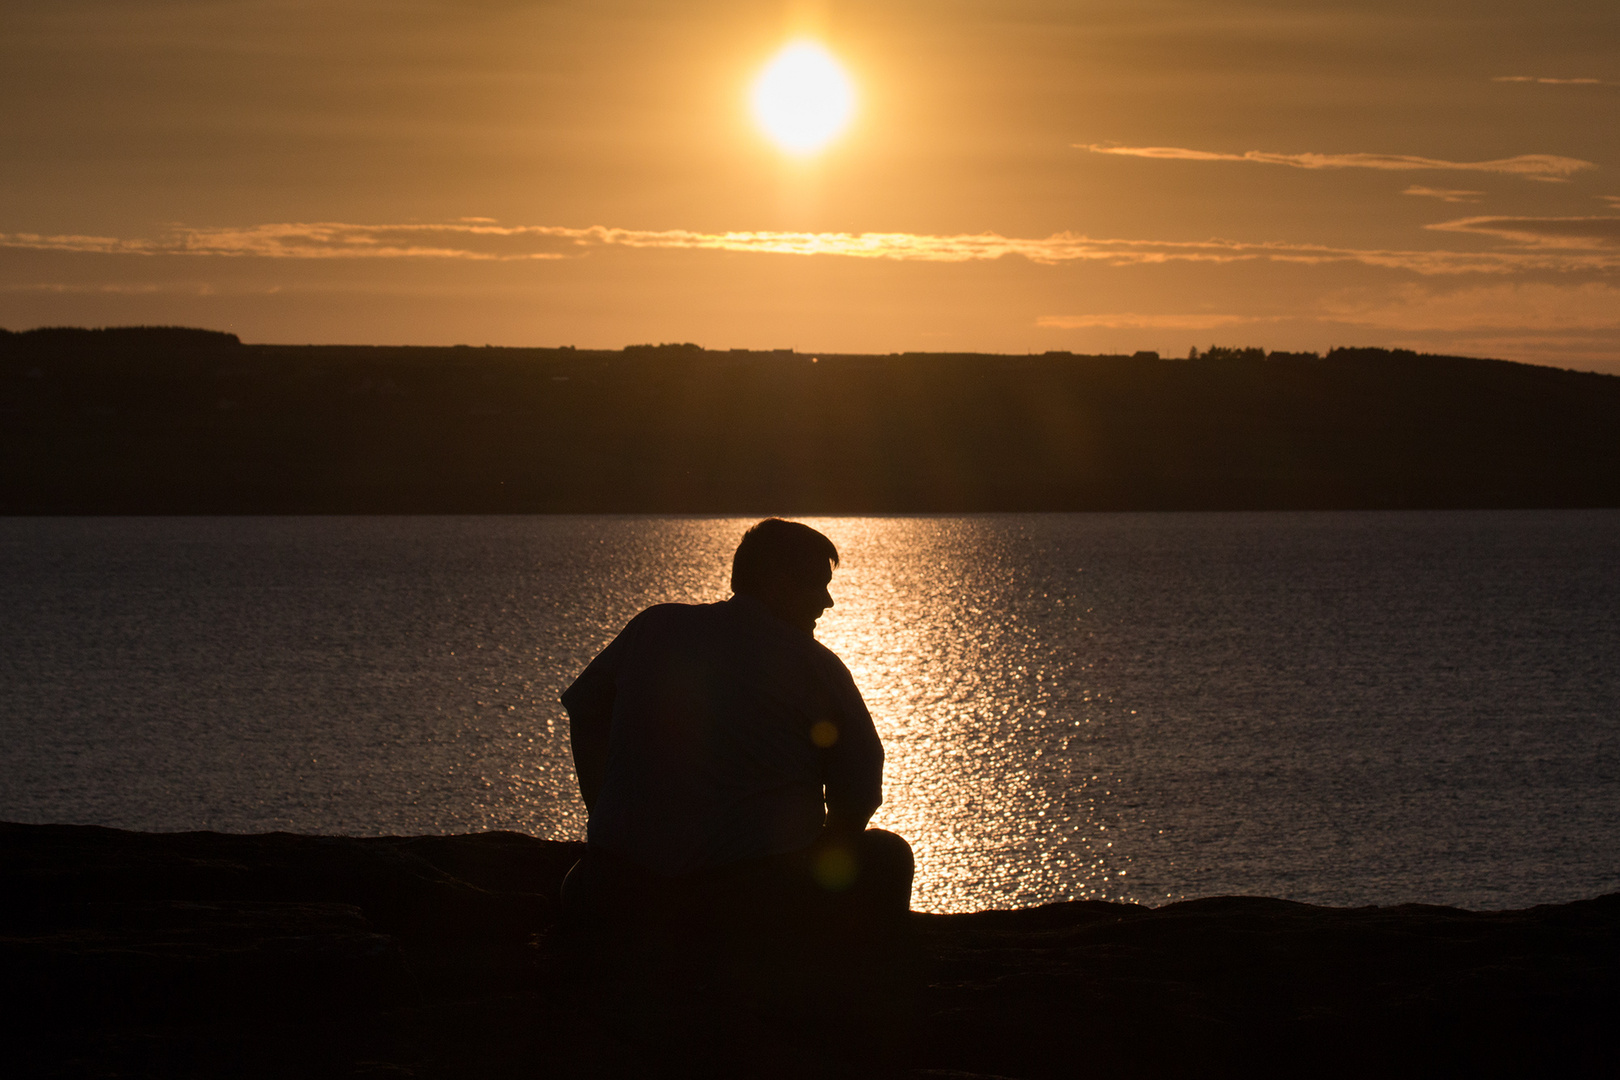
{"x": 810, "y": 948}
{"x": 865, "y": 875}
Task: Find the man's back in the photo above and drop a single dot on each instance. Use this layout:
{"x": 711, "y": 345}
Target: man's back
{"x": 718, "y": 727}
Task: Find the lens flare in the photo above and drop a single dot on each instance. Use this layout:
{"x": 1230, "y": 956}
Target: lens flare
{"x": 803, "y": 99}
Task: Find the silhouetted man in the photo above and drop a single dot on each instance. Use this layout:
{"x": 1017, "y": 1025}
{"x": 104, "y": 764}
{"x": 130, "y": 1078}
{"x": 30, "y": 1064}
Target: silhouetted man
{"x": 725, "y": 755}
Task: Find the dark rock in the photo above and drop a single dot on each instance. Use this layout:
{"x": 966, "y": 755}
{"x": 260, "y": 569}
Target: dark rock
{"x": 199, "y": 954}
{"x": 1249, "y": 986}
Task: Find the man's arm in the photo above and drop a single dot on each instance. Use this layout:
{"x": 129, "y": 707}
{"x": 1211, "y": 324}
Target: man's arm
{"x": 853, "y": 765}
{"x": 846, "y": 821}
{"x": 590, "y": 718}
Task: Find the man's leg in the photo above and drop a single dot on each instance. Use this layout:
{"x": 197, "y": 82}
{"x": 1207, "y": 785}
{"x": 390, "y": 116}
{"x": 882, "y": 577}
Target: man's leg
{"x": 870, "y": 871}
{"x": 864, "y": 965}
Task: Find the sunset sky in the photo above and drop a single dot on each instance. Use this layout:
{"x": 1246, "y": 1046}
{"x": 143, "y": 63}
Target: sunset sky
{"x": 1018, "y": 174}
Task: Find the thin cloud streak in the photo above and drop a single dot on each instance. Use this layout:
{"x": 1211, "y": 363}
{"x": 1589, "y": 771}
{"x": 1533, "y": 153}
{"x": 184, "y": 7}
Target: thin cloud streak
{"x": 490, "y": 242}
{"x": 1450, "y": 195}
{"x": 1128, "y": 321}
{"x": 1548, "y": 232}
{"x": 1548, "y": 167}
{"x": 1522, "y": 307}
{"x": 1549, "y": 82}
{"x": 110, "y": 288}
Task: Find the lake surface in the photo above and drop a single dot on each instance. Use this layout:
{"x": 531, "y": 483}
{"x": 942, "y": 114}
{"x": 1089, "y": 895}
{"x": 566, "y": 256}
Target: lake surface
{"x": 1341, "y": 708}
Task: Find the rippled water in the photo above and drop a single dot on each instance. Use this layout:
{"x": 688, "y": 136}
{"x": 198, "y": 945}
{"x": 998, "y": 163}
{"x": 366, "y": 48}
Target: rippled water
{"x": 1339, "y": 708}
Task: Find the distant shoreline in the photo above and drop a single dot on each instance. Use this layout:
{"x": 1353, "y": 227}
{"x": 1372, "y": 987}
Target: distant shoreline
{"x": 167, "y": 421}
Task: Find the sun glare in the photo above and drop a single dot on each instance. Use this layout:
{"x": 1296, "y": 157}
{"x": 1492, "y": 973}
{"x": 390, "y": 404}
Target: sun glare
{"x": 803, "y": 99}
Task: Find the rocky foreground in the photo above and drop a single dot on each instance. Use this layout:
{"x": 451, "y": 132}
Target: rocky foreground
{"x": 200, "y": 954}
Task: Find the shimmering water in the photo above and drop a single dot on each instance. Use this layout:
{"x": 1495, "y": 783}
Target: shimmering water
{"x": 1339, "y": 708}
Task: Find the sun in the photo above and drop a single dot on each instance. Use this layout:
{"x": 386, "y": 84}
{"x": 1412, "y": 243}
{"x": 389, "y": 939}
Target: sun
{"x": 803, "y": 99}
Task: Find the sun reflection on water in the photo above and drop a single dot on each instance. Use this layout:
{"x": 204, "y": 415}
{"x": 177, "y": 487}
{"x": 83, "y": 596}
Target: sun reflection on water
{"x": 989, "y": 767}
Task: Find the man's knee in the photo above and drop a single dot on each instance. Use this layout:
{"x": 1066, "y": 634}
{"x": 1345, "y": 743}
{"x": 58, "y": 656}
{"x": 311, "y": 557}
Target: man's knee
{"x": 885, "y": 869}
{"x": 886, "y": 852}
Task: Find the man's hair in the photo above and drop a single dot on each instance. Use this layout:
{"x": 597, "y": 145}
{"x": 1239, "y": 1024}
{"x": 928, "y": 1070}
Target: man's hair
{"x": 776, "y": 549}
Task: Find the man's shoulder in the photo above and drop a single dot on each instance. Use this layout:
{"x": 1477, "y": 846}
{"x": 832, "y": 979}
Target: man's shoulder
{"x": 676, "y": 611}
{"x": 661, "y": 628}
{"x": 673, "y": 616}
{"x": 830, "y": 660}
{"x": 738, "y": 616}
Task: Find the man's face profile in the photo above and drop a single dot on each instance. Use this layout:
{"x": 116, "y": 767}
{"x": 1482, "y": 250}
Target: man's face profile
{"x": 799, "y": 597}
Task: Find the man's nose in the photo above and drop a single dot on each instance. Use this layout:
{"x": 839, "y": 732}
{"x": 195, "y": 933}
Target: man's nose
{"x": 826, "y": 599}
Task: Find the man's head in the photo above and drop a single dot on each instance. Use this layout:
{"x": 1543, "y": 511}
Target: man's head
{"x": 787, "y": 566}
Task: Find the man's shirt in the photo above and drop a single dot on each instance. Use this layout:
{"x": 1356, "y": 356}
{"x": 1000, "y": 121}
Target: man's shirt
{"x": 726, "y": 734}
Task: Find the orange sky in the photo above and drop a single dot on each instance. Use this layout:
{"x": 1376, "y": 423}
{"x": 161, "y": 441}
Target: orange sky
{"x": 1022, "y": 174}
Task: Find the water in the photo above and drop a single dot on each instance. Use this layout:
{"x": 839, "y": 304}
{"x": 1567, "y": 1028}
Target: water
{"x": 1336, "y": 708}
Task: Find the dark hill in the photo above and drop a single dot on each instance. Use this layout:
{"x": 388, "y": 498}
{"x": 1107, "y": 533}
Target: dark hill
{"x": 167, "y": 420}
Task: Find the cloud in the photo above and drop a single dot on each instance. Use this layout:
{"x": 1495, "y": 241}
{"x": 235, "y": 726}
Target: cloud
{"x": 1528, "y": 307}
{"x": 1549, "y": 82}
{"x": 99, "y": 245}
{"x": 492, "y": 242}
{"x": 1530, "y": 166}
{"x": 1451, "y": 195}
{"x": 1150, "y": 322}
{"x": 1514, "y": 309}
{"x": 465, "y": 239}
{"x": 112, "y": 288}
{"x": 1545, "y": 232}
{"x": 469, "y": 238}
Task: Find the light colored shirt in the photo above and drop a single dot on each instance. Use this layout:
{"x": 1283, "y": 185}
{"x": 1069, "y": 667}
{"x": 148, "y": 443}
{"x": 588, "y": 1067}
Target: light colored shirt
{"x": 726, "y": 733}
